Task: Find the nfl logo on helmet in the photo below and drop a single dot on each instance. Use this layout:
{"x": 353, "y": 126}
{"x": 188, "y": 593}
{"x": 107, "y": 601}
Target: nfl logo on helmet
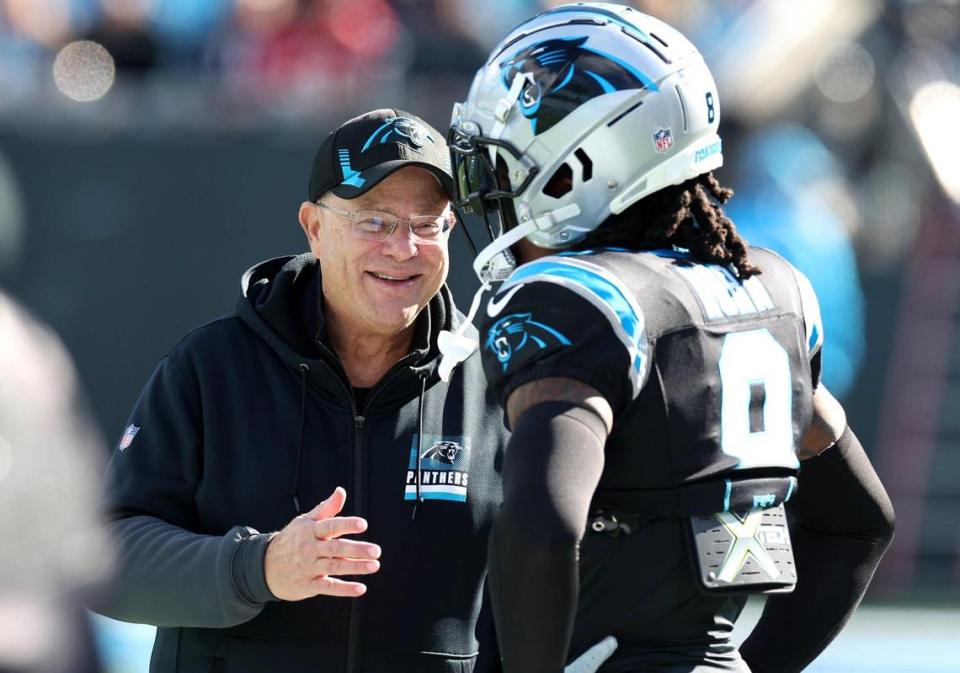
{"x": 663, "y": 140}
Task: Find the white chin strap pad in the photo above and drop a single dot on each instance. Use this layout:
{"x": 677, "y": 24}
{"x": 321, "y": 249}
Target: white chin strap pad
{"x": 454, "y": 346}
{"x": 454, "y": 349}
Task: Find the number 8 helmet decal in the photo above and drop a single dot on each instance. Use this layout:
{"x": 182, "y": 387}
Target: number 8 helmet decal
{"x": 577, "y": 114}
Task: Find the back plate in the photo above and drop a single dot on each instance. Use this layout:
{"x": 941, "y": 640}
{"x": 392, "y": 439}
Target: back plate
{"x": 743, "y": 553}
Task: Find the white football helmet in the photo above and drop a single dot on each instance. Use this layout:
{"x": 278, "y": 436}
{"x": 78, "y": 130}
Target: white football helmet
{"x": 577, "y": 114}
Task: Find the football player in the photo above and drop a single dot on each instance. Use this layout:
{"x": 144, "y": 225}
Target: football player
{"x": 661, "y": 377}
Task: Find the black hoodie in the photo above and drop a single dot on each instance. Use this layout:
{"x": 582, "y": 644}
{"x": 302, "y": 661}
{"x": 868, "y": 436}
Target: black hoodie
{"x": 249, "y": 421}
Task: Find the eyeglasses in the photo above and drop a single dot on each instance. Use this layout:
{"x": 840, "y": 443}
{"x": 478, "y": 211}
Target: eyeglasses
{"x": 372, "y": 225}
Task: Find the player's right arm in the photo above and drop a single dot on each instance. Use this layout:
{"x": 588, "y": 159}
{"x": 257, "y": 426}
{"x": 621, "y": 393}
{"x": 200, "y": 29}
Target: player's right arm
{"x": 564, "y": 349}
{"x": 841, "y": 523}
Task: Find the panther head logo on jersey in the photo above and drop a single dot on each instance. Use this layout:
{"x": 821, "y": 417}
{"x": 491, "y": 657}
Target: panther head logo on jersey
{"x": 515, "y": 332}
{"x": 563, "y": 75}
{"x": 445, "y": 452}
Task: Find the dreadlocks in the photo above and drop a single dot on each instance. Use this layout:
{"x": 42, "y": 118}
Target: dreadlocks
{"x": 688, "y": 215}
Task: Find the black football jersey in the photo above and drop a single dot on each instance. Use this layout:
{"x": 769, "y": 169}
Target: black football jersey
{"x": 709, "y": 379}
{"x": 707, "y": 376}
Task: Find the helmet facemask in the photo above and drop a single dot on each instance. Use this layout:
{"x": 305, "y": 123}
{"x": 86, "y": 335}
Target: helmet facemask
{"x": 482, "y": 186}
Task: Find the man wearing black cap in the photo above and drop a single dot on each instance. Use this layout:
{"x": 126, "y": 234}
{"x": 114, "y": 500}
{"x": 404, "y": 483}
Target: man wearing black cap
{"x": 316, "y": 410}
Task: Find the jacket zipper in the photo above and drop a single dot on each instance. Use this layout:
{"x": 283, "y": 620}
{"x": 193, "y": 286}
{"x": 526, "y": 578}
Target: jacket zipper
{"x": 353, "y": 634}
{"x": 353, "y": 628}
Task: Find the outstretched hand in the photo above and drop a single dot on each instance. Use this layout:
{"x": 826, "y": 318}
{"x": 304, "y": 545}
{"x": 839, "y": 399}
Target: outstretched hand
{"x": 306, "y": 557}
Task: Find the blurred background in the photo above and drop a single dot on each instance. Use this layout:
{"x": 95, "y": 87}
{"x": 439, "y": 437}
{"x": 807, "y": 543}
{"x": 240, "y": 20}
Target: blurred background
{"x": 152, "y": 150}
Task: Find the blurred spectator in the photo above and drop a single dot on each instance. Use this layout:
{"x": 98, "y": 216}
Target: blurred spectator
{"x": 445, "y": 37}
{"x": 313, "y": 51}
{"x": 28, "y": 33}
{"x": 483, "y": 23}
{"x": 45, "y": 22}
{"x": 124, "y": 31}
{"x": 186, "y": 28}
{"x": 294, "y": 58}
{"x": 54, "y": 550}
{"x": 790, "y": 191}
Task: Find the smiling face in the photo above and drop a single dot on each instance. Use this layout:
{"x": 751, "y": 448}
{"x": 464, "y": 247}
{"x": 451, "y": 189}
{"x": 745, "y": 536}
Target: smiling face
{"x": 377, "y": 288}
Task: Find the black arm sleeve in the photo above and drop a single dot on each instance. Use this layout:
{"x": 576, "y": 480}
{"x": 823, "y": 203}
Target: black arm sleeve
{"x": 552, "y": 465}
{"x": 841, "y": 523}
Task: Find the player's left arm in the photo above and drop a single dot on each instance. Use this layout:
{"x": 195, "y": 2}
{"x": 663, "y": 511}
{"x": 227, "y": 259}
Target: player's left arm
{"x": 841, "y": 523}
{"x": 826, "y": 426}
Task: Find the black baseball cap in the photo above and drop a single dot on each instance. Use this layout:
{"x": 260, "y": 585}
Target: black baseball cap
{"x": 368, "y": 148}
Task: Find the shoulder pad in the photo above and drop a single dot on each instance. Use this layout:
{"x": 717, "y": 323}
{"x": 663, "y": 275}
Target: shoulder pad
{"x": 596, "y": 285}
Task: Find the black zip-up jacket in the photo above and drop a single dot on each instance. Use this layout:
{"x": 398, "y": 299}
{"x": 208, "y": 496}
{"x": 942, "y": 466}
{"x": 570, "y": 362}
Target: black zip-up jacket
{"x": 249, "y": 421}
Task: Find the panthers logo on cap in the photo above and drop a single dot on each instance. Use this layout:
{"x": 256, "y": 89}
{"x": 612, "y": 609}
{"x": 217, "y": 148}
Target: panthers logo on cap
{"x": 402, "y": 129}
{"x": 564, "y": 74}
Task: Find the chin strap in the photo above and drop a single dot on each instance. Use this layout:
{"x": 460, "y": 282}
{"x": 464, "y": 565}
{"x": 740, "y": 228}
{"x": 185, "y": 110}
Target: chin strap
{"x": 486, "y": 265}
{"x": 454, "y": 346}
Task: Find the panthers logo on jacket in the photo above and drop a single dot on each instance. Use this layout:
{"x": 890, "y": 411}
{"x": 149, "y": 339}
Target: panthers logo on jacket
{"x": 443, "y": 468}
{"x": 564, "y": 74}
{"x": 445, "y": 452}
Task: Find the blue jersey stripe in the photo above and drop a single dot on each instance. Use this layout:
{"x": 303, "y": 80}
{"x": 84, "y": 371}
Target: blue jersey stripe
{"x": 606, "y": 291}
